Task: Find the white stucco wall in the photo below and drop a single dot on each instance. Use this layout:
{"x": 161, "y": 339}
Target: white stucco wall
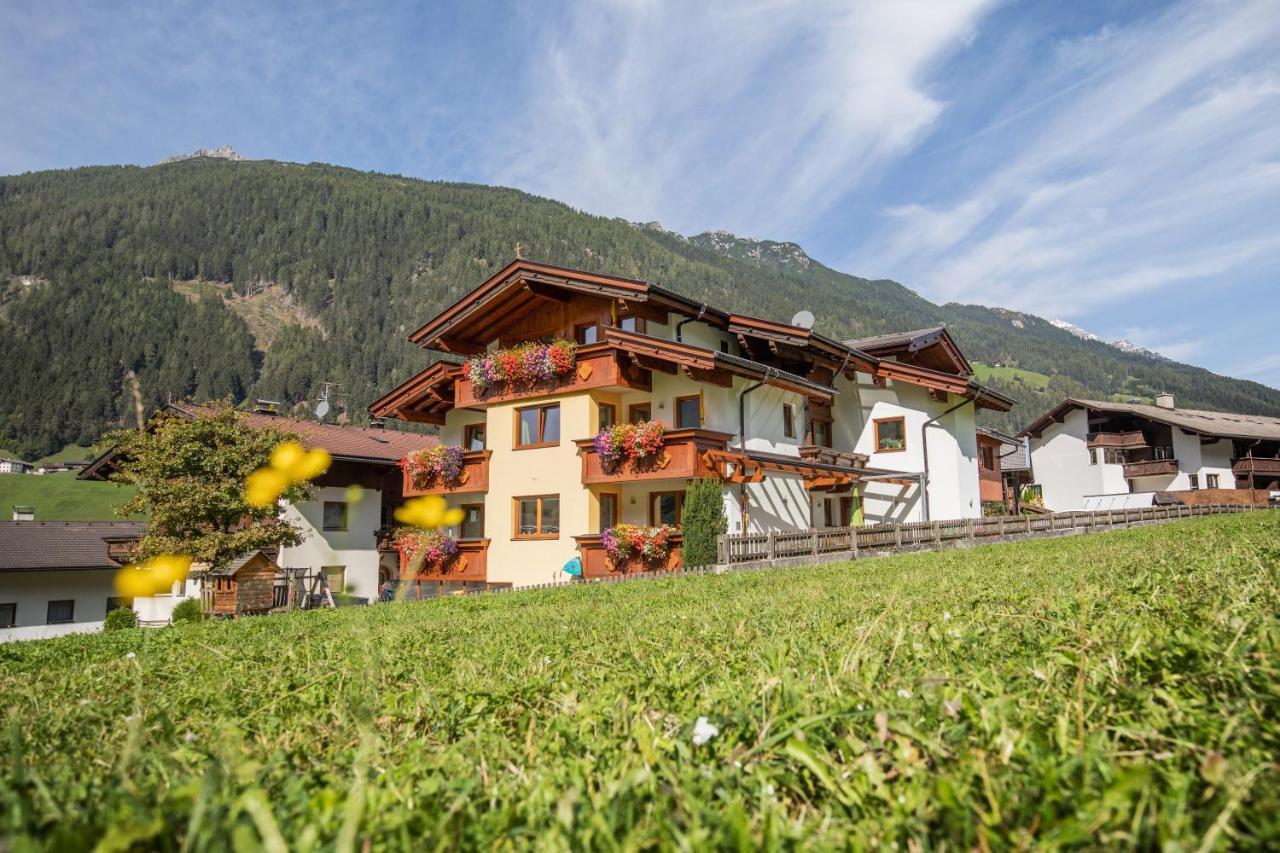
{"x": 354, "y": 548}
{"x": 32, "y": 592}
{"x": 1060, "y": 459}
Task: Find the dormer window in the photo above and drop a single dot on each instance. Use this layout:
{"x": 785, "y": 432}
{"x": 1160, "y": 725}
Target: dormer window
{"x": 631, "y": 324}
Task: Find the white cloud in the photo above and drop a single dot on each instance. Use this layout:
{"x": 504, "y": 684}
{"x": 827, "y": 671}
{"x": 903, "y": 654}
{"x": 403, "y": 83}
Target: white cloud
{"x": 751, "y": 116}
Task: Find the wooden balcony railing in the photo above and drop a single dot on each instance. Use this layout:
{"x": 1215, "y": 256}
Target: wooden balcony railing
{"x": 1125, "y": 440}
{"x": 596, "y": 562}
{"x": 474, "y": 478}
{"x": 680, "y": 458}
{"x": 1246, "y": 465}
{"x": 122, "y": 550}
{"x": 471, "y": 564}
{"x": 1150, "y": 468}
{"x": 827, "y": 456}
{"x": 598, "y": 366}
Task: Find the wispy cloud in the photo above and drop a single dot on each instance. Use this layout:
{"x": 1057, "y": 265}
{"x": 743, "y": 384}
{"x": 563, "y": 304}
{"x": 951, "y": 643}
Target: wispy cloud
{"x": 753, "y": 116}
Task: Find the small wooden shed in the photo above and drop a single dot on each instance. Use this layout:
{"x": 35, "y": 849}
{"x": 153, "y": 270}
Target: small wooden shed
{"x": 243, "y": 586}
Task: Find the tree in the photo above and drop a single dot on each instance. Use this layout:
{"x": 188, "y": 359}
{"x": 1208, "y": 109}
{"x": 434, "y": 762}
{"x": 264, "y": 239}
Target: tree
{"x": 701, "y": 521}
{"x": 190, "y": 477}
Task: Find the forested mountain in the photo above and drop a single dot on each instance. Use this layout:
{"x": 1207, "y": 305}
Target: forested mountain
{"x": 209, "y": 278}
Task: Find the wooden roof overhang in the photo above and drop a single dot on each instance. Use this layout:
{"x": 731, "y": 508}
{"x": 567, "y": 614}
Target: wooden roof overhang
{"x": 737, "y": 466}
{"x": 950, "y": 383}
{"x": 708, "y": 365}
{"x": 930, "y": 348}
{"x": 425, "y": 398}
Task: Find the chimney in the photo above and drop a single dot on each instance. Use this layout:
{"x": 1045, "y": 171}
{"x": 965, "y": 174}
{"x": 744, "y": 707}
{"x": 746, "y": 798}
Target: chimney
{"x": 266, "y": 407}
{"x": 1164, "y": 400}
{"x": 24, "y": 513}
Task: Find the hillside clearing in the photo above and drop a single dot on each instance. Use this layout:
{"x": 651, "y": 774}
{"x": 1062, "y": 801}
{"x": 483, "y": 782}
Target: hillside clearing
{"x": 1107, "y": 690}
{"x": 61, "y": 497}
{"x": 1033, "y": 380}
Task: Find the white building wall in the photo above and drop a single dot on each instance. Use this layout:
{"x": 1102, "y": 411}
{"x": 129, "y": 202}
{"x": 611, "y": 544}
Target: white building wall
{"x": 355, "y": 548}
{"x": 1060, "y": 459}
{"x": 32, "y": 592}
{"x": 1215, "y": 458}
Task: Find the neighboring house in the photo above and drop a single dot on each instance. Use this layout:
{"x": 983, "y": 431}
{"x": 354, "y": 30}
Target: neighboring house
{"x": 1094, "y": 454}
{"x": 15, "y": 466}
{"x": 802, "y": 430}
{"x": 1004, "y": 466}
{"x": 58, "y": 577}
{"x": 345, "y": 540}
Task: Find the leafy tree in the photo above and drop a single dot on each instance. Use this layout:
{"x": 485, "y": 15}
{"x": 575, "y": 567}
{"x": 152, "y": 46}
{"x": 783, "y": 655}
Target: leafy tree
{"x": 190, "y": 478}
{"x": 701, "y": 521}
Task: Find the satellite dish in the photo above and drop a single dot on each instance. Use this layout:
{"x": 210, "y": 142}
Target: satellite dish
{"x": 322, "y": 409}
{"x": 803, "y": 319}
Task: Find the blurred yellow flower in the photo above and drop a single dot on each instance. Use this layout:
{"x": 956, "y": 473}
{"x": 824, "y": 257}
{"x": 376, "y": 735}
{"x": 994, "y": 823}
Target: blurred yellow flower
{"x": 427, "y": 512}
{"x": 264, "y": 486}
{"x": 354, "y": 494}
{"x": 291, "y": 464}
{"x": 153, "y": 577}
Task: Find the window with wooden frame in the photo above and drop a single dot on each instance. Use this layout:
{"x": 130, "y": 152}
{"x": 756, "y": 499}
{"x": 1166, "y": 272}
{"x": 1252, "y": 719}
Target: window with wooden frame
{"x": 1211, "y": 481}
{"x": 1195, "y": 482}
{"x": 822, "y": 433}
{"x": 9, "y": 614}
{"x": 891, "y": 435}
{"x": 665, "y": 507}
{"x": 538, "y": 426}
{"x": 335, "y": 515}
{"x": 988, "y": 457}
{"x": 607, "y": 415}
{"x": 608, "y": 510}
{"x": 61, "y": 611}
{"x": 689, "y": 412}
{"x": 587, "y": 333}
{"x": 828, "y": 512}
{"x": 536, "y": 517}
{"x": 788, "y": 421}
{"x": 473, "y": 437}
{"x": 1113, "y": 456}
{"x": 638, "y": 412}
{"x": 472, "y": 521}
{"x": 631, "y": 323}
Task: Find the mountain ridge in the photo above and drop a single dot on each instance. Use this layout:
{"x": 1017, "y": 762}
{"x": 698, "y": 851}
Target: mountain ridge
{"x": 353, "y": 261}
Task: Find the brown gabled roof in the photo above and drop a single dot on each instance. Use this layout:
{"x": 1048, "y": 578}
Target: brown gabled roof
{"x": 1218, "y": 424}
{"x": 51, "y": 545}
{"x": 907, "y": 344}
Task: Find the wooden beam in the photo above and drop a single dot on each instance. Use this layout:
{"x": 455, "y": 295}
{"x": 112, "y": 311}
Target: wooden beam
{"x": 711, "y": 377}
{"x": 652, "y": 363}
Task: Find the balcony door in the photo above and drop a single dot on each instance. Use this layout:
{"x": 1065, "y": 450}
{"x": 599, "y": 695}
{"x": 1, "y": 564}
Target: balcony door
{"x": 472, "y": 521}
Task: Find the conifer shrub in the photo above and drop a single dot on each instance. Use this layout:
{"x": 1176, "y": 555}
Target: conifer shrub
{"x": 702, "y": 519}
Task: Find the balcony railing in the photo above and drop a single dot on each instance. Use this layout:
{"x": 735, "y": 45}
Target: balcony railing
{"x": 597, "y": 564}
{"x": 471, "y": 564}
{"x": 474, "y": 478}
{"x": 1246, "y": 465}
{"x": 827, "y": 456}
{"x": 680, "y": 458}
{"x": 1124, "y": 440}
{"x": 1150, "y": 468}
{"x": 598, "y": 366}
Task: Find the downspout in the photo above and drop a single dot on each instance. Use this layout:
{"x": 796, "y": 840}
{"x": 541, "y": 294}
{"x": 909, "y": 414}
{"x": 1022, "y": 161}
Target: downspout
{"x": 742, "y": 443}
{"x": 680, "y": 325}
{"x": 924, "y": 445}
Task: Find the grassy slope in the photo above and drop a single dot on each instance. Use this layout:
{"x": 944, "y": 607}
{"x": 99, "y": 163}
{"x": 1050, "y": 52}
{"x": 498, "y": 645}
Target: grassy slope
{"x": 61, "y": 497}
{"x": 1106, "y": 690}
{"x": 1011, "y": 374}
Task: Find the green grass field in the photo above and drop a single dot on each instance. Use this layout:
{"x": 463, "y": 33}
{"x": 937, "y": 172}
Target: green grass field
{"x": 1113, "y": 690}
{"x": 1030, "y": 378}
{"x": 61, "y": 497}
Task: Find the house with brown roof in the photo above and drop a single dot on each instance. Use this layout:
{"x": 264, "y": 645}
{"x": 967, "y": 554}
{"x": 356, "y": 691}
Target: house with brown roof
{"x": 58, "y": 577}
{"x": 1099, "y": 454}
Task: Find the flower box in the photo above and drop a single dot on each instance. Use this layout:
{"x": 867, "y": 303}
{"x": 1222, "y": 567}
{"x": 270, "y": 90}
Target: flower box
{"x": 526, "y": 365}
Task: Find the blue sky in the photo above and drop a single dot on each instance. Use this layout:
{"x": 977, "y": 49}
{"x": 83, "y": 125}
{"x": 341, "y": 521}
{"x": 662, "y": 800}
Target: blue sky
{"x": 1113, "y": 164}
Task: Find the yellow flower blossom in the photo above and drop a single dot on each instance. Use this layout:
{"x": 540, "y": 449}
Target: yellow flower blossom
{"x": 291, "y": 464}
{"x": 427, "y": 512}
{"x": 153, "y": 577}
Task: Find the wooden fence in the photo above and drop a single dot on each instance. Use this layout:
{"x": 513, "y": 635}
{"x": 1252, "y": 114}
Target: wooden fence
{"x": 922, "y": 535}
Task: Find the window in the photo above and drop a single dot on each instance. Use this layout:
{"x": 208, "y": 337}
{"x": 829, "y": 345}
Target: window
{"x": 537, "y": 517}
{"x": 988, "y": 458}
{"x": 538, "y": 426}
{"x": 891, "y": 434}
{"x": 822, "y": 433}
{"x": 788, "y": 421}
{"x": 689, "y": 412}
{"x": 61, "y": 612}
{"x": 8, "y": 615}
{"x": 119, "y": 603}
{"x": 638, "y": 412}
{"x": 1093, "y": 456}
{"x": 608, "y": 510}
{"x": 335, "y": 515}
{"x": 1113, "y": 456}
{"x": 665, "y": 507}
{"x": 1162, "y": 452}
{"x": 724, "y": 347}
{"x": 473, "y": 437}
{"x": 631, "y": 324}
{"x": 1195, "y": 481}
{"x": 472, "y": 521}
{"x": 828, "y": 512}
{"x": 586, "y": 333}
{"x": 336, "y": 577}
{"x": 608, "y": 414}
{"x": 1211, "y": 481}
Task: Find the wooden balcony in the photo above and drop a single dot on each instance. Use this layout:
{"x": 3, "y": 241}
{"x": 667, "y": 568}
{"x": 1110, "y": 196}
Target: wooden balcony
{"x": 827, "y": 456}
{"x": 598, "y": 366}
{"x": 596, "y": 562}
{"x": 471, "y": 564}
{"x": 474, "y": 478}
{"x": 122, "y": 550}
{"x": 1249, "y": 465}
{"x": 1120, "y": 440}
{"x": 1150, "y": 468}
{"x": 681, "y": 457}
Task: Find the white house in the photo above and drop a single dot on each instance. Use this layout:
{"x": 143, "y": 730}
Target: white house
{"x": 15, "y": 466}
{"x": 1096, "y": 454}
{"x": 58, "y": 577}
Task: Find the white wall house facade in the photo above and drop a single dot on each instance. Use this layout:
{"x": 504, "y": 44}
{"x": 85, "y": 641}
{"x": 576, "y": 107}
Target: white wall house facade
{"x": 1091, "y": 454}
